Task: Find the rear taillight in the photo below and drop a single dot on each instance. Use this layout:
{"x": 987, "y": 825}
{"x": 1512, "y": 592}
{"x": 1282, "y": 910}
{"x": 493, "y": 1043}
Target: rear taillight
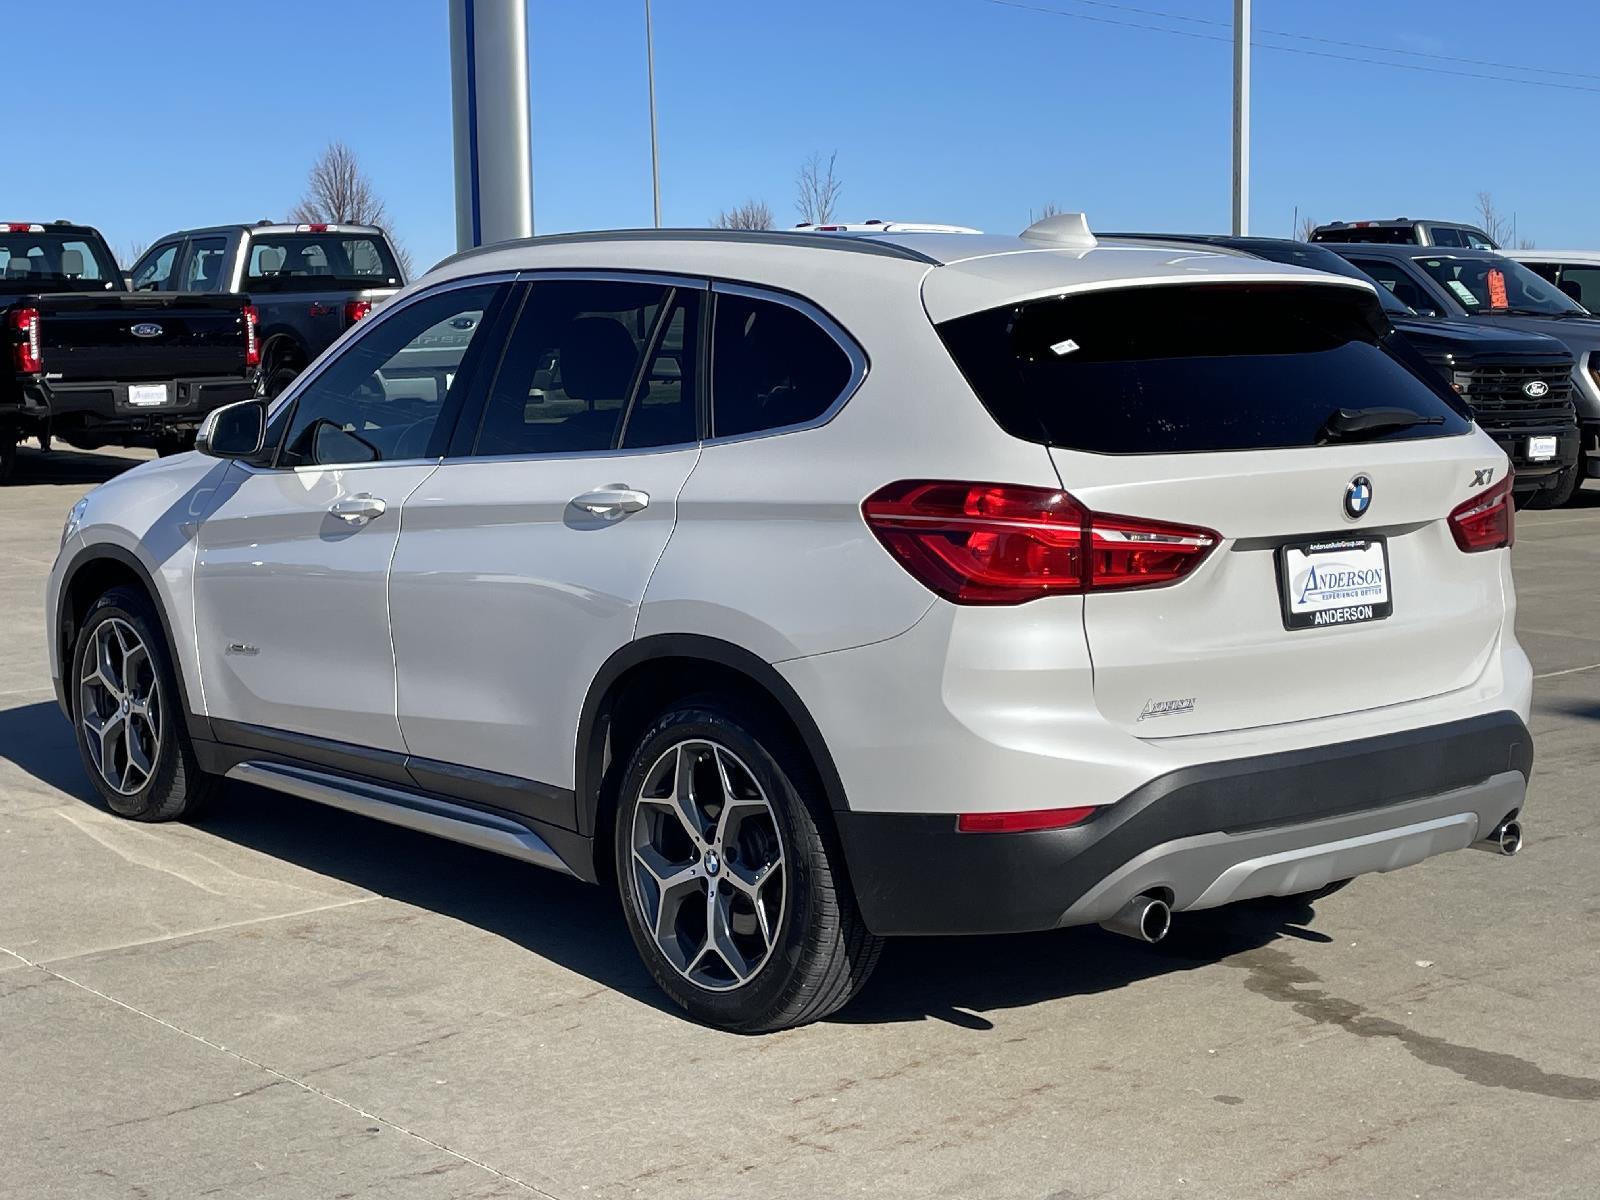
{"x": 1487, "y": 521}
{"x": 354, "y": 310}
{"x": 1022, "y": 822}
{"x": 26, "y": 355}
{"x": 252, "y": 336}
{"x": 995, "y": 543}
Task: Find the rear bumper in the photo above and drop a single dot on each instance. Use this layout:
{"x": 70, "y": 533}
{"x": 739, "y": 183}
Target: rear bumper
{"x": 102, "y": 407}
{"x": 1270, "y": 825}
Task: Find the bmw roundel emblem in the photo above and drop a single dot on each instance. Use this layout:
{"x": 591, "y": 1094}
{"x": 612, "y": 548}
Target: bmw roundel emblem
{"x": 1534, "y": 389}
{"x": 1357, "y": 497}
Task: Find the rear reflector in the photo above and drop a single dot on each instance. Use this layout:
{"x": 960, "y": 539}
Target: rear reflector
{"x": 1019, "y": 822}
{"x": 995, "y": 543}
{"x": 1487, "y": 521}
{"x": 26, "y": 356}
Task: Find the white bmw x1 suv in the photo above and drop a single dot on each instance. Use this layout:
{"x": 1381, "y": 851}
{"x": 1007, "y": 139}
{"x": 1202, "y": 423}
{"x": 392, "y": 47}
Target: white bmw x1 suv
{"x": 814, "y": 588}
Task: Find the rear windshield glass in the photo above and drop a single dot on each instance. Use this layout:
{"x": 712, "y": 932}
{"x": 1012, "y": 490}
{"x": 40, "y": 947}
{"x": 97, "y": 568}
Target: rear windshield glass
{"x": 1168, "y": 370}
{"x": 1498, "y": 285}
{"x": 1395, "y": 235}
{"x": 57, "y": 262}
{"x": 308, "y": 262}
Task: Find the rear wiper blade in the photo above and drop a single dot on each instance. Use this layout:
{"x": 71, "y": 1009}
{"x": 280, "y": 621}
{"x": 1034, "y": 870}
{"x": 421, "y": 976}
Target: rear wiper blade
{"x": 1358, "y": 424}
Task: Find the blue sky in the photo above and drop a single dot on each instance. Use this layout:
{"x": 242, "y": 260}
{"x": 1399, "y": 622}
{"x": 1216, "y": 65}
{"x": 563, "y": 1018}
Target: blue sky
{"x": 146, "y": 117}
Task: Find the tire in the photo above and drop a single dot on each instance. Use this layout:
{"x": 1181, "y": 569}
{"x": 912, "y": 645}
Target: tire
{"x": 8, "y": 454}
{"x": 142, "y": 763}
{"x": 280, "y": 377}
{"x": 1580, "y": 472}
{"x": 803, "y": 948}
{"x": 1560, "y": 495}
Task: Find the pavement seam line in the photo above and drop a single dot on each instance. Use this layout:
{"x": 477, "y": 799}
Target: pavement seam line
{"x": 184, "y": 933}
{"x": 1569, "y": 671}
{"x": 284, "y": 1076}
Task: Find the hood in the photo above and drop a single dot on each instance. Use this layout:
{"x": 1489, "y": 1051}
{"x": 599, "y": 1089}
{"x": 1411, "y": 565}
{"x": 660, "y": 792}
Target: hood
{"x": 1578, "y": 334}
{"x": 1477, "y": 341}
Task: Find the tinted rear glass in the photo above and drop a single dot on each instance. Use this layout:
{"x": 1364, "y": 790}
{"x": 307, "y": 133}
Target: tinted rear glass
{"x": 55, "y": 261}
{"x": 1169, "y": 370}
{"x": 306, "y": 262}
{"x": 1405, "y": 235}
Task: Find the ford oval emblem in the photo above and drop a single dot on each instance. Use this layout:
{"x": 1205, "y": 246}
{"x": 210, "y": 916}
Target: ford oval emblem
{"x": 146, "y": 329}
{"x": 1534, "y": 389}
{"x": 1357, "y": 497}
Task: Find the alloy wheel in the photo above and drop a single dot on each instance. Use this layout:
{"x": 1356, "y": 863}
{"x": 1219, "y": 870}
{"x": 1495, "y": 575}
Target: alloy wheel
{"x": 708, "y": 865}
{"x": 119, "y": 706}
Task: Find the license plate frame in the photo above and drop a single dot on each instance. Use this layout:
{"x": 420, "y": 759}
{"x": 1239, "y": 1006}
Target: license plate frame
{"x": 1361, "y": 606}
{"x": 1543, "y": 449}
{"x": 149, "y": 395}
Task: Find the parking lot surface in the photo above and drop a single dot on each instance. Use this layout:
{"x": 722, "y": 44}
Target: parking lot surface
{"x": 290, "y": 1001}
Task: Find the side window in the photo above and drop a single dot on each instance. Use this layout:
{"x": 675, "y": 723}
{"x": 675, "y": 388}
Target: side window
{"x": 1393, "y": 276}
{"x": 154, "y": 271}
{"x": 772, "y": 366}
{"x": 1444, "y": 235}
{"x": 1477, "y": 241}
{"x": 570, "y": 367}
{"x": 380, "y": 399}
{"x": 1582, "y": 284}
{"x": 204, "y": 270}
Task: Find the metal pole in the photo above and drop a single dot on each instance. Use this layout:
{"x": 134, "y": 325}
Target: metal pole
{"x": 1241, "y": 117}
{"x": 655, "y": 154}
{"x": 489, "y": 96}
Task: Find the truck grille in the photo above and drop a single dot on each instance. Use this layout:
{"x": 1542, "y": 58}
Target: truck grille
{"x": 1501, "y": 406}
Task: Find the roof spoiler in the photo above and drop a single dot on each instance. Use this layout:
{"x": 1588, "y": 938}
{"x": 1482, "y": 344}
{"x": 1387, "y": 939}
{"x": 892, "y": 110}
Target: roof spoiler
{"x": 1063, "y": 229}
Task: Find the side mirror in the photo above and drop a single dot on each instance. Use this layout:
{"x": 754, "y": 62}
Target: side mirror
{"x": 234, "y": 430}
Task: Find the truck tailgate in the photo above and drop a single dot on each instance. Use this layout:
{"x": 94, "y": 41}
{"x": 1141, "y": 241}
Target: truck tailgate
{"x": 148, "y": 335}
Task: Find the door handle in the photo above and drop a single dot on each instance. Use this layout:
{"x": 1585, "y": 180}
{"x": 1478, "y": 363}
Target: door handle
{"x": 358, "y": 509}
{"x": 612, "y": 501}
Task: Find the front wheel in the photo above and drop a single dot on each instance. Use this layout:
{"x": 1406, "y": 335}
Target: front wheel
{"x": 1580, "y": 472}
{"x": 129, "y": 714}
{"x": 1562, "y": 493}
{"x": 731, "y": 876}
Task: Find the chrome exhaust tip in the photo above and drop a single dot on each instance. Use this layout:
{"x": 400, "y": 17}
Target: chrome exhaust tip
{"x": 1505, "y": 839}
{"x": 1145, "y": 918}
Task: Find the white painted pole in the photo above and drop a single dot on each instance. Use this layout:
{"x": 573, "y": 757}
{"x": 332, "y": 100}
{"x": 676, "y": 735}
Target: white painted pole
{"x": 1241, "y": 117}
{"x": 655, "y": 154}
{"x": 489, "y": 94}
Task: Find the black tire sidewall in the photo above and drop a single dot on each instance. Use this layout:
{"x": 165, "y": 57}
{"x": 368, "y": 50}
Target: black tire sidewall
{"x": 771, "y": 761}
{"x": 282, "y": 377}
{"x": 154, "y": 800}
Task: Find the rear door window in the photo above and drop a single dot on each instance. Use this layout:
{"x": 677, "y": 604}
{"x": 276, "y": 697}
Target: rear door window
{"x": 772, "y": 367}
{"x": 1169, "y": 370}
{"x": 204, "y": 271}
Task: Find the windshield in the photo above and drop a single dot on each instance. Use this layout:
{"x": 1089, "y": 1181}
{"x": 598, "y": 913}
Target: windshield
{"x": 55, "y": 261}
{"x": 1250, "y": 366}
{"x": 307, "y": 262}
{"x": 1497, "y": 285}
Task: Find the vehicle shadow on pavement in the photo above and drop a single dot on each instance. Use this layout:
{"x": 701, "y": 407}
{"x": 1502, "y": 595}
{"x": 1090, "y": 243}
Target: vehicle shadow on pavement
{"x": 68, "y": 466}
{"x": 959, "y": 979}
{"x": 579, "y": 927}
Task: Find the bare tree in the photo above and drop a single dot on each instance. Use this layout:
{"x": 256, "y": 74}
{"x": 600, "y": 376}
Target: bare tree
{"x": 132, "y": 253}
{"x": 752, "y": 214}
{"x": 339, "y": 192}
{"x": 1048, "y": 209}
{"x": 817, "y": 190}
{"x": 1304, "y": 228}
{"x": 1502, "y": 229}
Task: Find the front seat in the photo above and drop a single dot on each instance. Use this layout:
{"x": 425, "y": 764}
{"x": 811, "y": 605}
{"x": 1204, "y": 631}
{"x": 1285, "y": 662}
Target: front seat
{"x": 597, "y": 359}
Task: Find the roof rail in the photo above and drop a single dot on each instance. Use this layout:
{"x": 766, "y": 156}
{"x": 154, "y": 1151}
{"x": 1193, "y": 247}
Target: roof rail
{"x": 1063, "y": 229}
{"x": 764, "y": 237}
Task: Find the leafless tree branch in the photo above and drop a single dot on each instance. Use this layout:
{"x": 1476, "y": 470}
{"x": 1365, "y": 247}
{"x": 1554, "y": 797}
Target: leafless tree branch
{"x": 817, "y": 190}
{"x": 752, "y": 214}
{"x": 1048, "y": 209}
{"x": 338, "y": 191}
{"x": 1306, "y": 227}
{"x": 1500, "y": 227}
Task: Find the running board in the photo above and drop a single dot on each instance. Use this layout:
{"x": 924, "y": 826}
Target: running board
{"x": 426, "y": 814}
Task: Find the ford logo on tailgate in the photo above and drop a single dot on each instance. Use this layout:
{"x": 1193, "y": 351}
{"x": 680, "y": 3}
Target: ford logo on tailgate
{"x": 146, "y": 329}
{"x": 1535, "y": 388}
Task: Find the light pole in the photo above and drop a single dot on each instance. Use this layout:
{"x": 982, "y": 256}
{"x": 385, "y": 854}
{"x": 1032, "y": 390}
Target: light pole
{"x": 1241, "y": 117}
{"x": 655, "y": 154}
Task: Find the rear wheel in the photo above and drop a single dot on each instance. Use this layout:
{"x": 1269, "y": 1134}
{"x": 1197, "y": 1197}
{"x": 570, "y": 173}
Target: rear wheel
{"x": 129, "y": 714}
{"x": 730, "y": 874}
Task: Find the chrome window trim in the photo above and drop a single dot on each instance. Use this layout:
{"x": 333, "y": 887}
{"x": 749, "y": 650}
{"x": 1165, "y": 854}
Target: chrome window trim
{"x": 596, "y": 275}
{"x": 860, "y": 365}
{"x": 360, "y": 329}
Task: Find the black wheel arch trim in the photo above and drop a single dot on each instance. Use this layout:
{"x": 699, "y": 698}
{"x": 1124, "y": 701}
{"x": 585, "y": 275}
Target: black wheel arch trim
{"x": 590, "y": 765}
{"x": 198, "y": 725}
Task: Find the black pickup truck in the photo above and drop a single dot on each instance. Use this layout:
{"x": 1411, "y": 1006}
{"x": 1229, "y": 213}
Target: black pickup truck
{"x": 91, "y": 364}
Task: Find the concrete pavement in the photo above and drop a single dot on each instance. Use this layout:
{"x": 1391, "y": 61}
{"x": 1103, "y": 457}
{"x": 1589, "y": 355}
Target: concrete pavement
{"x": 290, "y": 1001}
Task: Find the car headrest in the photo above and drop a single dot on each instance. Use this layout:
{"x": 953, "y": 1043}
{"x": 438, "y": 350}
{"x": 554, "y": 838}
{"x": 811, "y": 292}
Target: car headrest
{"x": 597, "y": 359}
{"x": 270, "y": 259}
{"x": 19, "y": 265}
{"x": 72, "y": 263}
